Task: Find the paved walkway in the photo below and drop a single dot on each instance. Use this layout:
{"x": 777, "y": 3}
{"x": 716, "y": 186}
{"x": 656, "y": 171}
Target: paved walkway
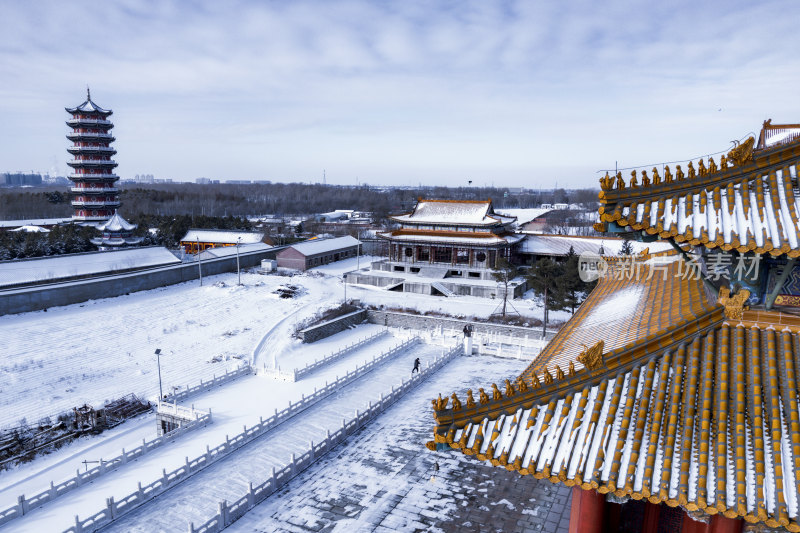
{"x": 380, "y": 479}
{"x": 197, "y": 498}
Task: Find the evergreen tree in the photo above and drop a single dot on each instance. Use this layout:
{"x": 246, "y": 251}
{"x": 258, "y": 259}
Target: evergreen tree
{"x": 503, "y": 274}
{"x": 543, "y": 278}
{"x": 575, "y": 289}
{"x": 627, "y": 248}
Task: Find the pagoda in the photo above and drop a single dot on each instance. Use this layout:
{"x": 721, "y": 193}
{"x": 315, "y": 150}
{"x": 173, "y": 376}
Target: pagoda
{"x": 95, "y": 195}
{"x": 672, "y": 394}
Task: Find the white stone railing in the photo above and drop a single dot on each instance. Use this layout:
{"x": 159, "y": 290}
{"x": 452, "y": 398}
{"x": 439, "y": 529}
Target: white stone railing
{"x": 203, "y": 386}
{"x": 298, "y": 373}
{"x": 115, "y": 509}
{"x": 25, "y": 505}
{"x": 229, "y": 513}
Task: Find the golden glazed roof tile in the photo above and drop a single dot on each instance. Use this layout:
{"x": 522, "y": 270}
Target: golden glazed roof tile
{"x": 703, "y": 415}
{"x": 747, "y": 204}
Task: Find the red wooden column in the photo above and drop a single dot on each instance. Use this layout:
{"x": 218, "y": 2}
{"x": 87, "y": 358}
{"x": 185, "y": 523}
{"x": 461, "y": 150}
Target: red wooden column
{"x": 692, "y": 526}
{"x": 586, "y": 513}
{"x": 722, "y": 524}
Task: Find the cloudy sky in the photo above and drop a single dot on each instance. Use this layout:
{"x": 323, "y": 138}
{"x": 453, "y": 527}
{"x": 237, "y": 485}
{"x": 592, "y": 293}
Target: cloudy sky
{"x": 528, "y": 93}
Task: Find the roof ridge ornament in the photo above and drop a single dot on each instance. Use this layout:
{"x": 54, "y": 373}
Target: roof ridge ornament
{"x": 734, "y": 305}
{"x": 88, "y": 94}
{"x": 592, "y": 358}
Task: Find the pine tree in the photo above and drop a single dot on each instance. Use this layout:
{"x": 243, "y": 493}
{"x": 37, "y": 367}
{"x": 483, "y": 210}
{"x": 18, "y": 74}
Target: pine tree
{"x": 627, "y": 248}
{"x": 503, "y": 274}
{"x": 543, "y": 279}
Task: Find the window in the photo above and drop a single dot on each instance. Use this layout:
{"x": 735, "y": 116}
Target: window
{"x": 480, "y": 257}
{"x": 475, "y": 274}
{"x": 409, "y": 251}
{"x": 462, "y": 256}
{"x": 423, "y": 254}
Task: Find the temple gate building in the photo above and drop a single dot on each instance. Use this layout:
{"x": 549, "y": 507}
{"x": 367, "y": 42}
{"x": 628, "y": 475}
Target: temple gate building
{"x": 95, "y": 194}
{"x": 671, "y": 397}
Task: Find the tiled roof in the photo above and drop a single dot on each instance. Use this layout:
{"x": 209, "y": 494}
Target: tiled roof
{"x": 625, "y": 311}
{"x": 687, "y": 407}
{"x": 319, "y": 246}
{"x": 222, "y": 236}
{"x": 560, "y": 244}
{"x": 460, "y": 212}
{"x": 478, "y": 238}
{"x": 752, "y": 206}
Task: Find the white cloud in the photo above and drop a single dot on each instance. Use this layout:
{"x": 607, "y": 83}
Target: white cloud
{"x": 514, "y": 89}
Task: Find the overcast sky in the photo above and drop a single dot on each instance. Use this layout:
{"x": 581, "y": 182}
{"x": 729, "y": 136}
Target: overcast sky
{"x": 512, "y": 93}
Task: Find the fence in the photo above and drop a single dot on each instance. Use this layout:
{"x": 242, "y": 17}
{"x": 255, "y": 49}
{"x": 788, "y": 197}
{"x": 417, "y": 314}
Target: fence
{"x": 206, "y": 385}
{"x": 115, "y": 509}
{"x": 24, "y": 505}
{"x": 229, "y": 513}
{"x": 298, "y": 373}
{"x": 488, "y": 343}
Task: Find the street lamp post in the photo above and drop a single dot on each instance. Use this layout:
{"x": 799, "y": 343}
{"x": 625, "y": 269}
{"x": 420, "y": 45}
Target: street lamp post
{"x": 199, "y": 266}
{"x": 238, "y": 272}
{"x": 160, "y": 390}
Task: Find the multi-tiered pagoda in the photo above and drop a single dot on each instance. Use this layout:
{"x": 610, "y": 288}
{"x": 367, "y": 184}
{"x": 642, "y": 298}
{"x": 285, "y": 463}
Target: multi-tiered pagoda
{"x": 95, "y": 195}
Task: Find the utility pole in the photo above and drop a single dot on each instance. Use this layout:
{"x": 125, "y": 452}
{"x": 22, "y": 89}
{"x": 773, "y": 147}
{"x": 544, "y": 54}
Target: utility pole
{"x": 199, "y": 267}
{"x": 238, "y": 271}
{"x": 160, "y": 390}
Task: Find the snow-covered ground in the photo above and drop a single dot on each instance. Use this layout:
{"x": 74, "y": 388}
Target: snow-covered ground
{"x": 100, "y": 350}
{"x": 239, "y": 403}
{"x": 380, "y": 479}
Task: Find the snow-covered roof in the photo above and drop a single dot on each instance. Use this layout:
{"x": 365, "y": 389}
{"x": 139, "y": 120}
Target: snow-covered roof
{"x": 222, "y": 236}
{"x": 458, "y": 212}
{"x": 680, "y": 404}
{"x": 524, "y": 215}
{"x": 116, "y": 223}
{"x": 452, "y": 237}
{"x": 225, "y": 251}
{"x": 71, "y": 265}
{"x": 33, "y": 222}
{"x": 559, "y": 245}
{"x": 32, "y": 229}
{"x": 320, "y": 246}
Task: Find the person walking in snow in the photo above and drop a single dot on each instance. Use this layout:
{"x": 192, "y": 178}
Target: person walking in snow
{"x": 416, "y": 365}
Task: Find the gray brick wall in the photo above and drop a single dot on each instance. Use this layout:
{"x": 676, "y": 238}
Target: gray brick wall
{"x": 407, "y": 320}
{"x": 331, "y": 327}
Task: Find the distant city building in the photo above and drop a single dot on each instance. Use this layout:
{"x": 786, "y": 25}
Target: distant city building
{"x": 95, "y": 194}
{"x": 239, "y": 182}
{"x": 144, "y": 178}
{"x": 202, "y": 181}
{"x": 117, "y": 233}
{"x": 18, "y": 179}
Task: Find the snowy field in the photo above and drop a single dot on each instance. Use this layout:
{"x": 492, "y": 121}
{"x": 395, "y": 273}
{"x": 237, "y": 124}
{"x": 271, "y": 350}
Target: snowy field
{"x": 238, "y": 403}
{"x": 54, "y": 360}
{"x": 103, "y": 349}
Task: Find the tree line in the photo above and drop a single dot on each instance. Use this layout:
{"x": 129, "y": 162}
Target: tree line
{"x": 222, "y": 200}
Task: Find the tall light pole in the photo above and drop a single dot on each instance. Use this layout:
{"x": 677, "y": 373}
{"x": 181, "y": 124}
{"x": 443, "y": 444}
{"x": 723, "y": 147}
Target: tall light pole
{"x": 160, "y": 390}
{"x": 238, "y": 272}
{"x": 199, "y": 267}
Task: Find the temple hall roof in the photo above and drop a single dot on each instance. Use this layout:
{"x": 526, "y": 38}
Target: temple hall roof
{"x": 750, "y": 203}
{"x": 684, "y": 406}
{"x": 478, "y": 238}
{"x": 455, "y": 212}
